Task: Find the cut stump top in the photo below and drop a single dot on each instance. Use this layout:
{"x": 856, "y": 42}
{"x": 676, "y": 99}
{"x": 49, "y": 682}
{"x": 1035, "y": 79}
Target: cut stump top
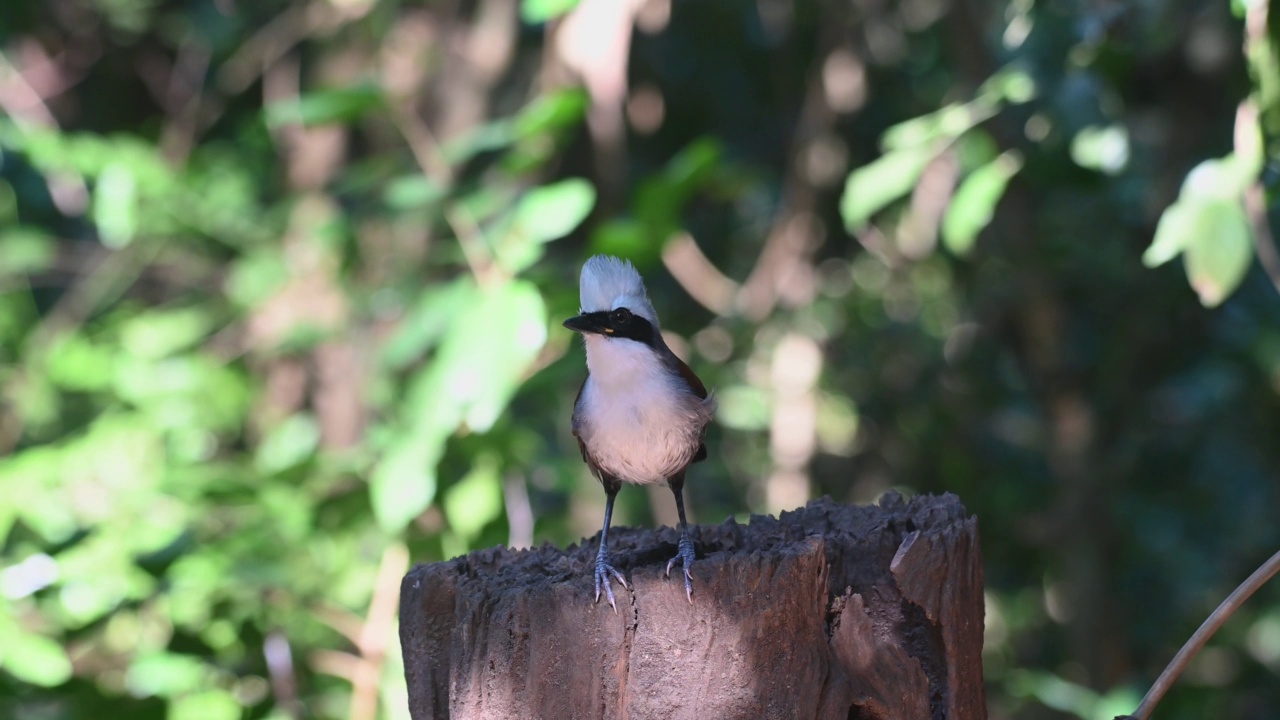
{"x": 828, "y": 611}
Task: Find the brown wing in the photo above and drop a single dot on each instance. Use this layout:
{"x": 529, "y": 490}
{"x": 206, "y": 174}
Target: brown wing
{"x": 695, "y": 384}
{"x": 582, "y": 447}
{"x": 685, "y": 372}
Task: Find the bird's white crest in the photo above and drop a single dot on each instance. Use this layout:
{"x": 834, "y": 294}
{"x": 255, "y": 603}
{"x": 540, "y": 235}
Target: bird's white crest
{"x": 608, "y": 283}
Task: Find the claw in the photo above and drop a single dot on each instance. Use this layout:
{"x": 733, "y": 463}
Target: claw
{"x": 602, "y": 573}
{"x": 685, "y": 556}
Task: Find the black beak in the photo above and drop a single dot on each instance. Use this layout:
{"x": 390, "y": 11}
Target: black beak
{"x": 597, "y": 323}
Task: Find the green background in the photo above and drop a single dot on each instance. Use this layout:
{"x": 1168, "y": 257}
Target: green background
{"x": 281, "y": 289}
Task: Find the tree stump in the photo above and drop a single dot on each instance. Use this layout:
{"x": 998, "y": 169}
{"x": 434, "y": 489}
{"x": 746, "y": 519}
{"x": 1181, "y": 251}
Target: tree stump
{"x": 829, "y": 611}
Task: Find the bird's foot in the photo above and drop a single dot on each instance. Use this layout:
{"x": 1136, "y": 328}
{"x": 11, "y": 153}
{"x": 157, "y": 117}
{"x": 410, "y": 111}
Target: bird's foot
{"x": 685, "y": 557}
{"x": 603, "y": 572}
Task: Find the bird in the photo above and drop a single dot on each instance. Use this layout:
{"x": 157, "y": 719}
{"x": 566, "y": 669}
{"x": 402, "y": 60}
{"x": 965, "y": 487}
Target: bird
{"x": 641, "y": 414}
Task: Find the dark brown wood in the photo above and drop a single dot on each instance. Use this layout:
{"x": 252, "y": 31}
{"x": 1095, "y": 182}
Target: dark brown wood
{"x": 829, "y": 611}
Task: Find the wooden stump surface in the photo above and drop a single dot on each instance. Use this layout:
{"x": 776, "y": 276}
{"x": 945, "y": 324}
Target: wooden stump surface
{"x": 828, "y": 611}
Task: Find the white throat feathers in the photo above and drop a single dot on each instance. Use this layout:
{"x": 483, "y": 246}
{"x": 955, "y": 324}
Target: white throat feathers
{"x": 639, "y": 419}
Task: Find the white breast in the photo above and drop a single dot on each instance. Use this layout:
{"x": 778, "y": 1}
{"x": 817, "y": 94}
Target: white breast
{"x": 638, "y": 421}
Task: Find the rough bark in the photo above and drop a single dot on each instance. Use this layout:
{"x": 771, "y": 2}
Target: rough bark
{"x": 829, "y": 611}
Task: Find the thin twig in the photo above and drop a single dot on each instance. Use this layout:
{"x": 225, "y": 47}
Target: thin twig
{"x": 1255, "y": 206}
{"x": 1201, "y": 636}
{"x": 19, "y": 99}
{"x": 432, "y": 162}
{"x": 377, "y": 632}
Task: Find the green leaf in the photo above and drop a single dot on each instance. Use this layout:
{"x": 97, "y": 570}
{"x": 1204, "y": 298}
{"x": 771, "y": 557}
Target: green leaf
{"x": 115, "y": 205}
{"x": 553, "y": 111}
{"x": 691, "y": 167}
{"x": 288, "y": 444}
{"x": 1010, "y": 84}
{"x": 975, "y": 202}
{"x": 945, "y": 124}
{"x": 404, "y": 483}
{"x": 621, "y": 237}
{"x": 476, "y": 370}
{"x": 325, "y": 107}
{"x": 494, "y": 135}
{"x": 1218, "y": 257}
{"x": 410, "y": 192}
{"x": 542, "y": 215}
{"x": 1101, "y": 148}
{"x": 1215, "y": 240}
{"x": 427, "y": 322}
{"x": 75, "y": 363}
{"x": 553, "y": 211}
{"x": 33, "y": 658}
{"x": 475, "y": 500}
{"x": 743, "y": 407}
{"x": 24, "y": 251}
{"x": 159, "y": 333}
{"x": 165, "y": 674}
{"x": 1223, "y": 178}
{"x": 873, "y": 186}
{"x": 213, "y": 704}
{"x": 1174, "y": 232}
{"x": 256, "y": 276}
{"x": 540, "y": 11}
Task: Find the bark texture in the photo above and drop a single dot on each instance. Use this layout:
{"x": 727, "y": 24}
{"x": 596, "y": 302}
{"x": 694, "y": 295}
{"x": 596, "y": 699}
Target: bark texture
{"x": 829, "y": 611}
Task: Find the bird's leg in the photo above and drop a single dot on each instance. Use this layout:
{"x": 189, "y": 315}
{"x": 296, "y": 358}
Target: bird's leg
{"x": 685, "y": 553}
{"x": 603, "y": 568}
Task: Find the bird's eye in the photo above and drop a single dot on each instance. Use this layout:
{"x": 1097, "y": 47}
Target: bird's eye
{"x": 621, "y": 316}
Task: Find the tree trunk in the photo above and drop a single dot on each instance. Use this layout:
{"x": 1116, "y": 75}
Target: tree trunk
{"x": 829, "y": 611}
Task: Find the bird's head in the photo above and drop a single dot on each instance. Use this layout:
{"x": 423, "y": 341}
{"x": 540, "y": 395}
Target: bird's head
{"x": 613, "y": 302}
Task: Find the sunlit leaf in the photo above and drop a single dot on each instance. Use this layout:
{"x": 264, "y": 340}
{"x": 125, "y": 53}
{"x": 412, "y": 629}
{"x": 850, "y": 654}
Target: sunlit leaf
{"x": 324, "y": 107}
{"x": 1218, "y": 257}
{"x": 554, "y": 210}
{"x": 474, "y": 501}
{"x": 34, "y": 658}
{"x": 944, "y": 124}
{"x": 76, "y": 363}
{"x": 540, "y": 11}
{"x": 412, "y": 191}
{"x": 158, "y": 333}
{"x": 256, "y": 276}
{"x": 1216, "y": 242}
{"x": 288, "y": 444}
{"x": 471, "y": 378}
{"x": 215, "y": 704}
{"x": 1101, "y": 148}
{"x": 24, "y": 251}
{"x": 553, "y": 111}
{"x": 743, "y": 407}
{"x": 1176, "y": 230}
{"x": 165, "y": 674}
{"x": 1011, "y": 84}
{"x": 1219, "y": 179}
{"x": 115, "y": 206}
{"x": 975, "y": 201}
{"x": 426, "y": 322}
{"x": 404, "y": 483}
{"x": 543, "y": 214}
{"x": 1055, "y": 692}
{"x": 494, "y": 135}
{"x": 1249, "y": 146}
{"x": 873, "y": 186}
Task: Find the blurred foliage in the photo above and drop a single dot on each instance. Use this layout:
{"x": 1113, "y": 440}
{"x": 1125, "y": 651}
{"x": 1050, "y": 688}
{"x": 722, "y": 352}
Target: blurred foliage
{"x": 281, "y": 289}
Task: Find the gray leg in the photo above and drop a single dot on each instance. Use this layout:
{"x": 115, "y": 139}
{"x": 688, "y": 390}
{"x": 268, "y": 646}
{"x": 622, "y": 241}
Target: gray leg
{"x": 685, "y": 553}
{"x": 603, "y": 568}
